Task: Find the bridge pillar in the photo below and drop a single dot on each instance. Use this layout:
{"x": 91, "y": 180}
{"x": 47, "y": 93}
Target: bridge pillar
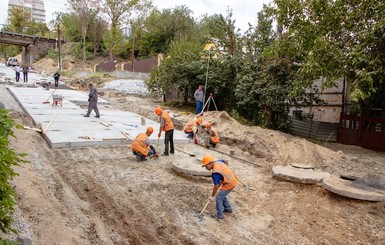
{"x": 37, "y": 50}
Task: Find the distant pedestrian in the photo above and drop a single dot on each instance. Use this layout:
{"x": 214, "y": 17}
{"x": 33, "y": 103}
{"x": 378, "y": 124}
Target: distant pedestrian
{"x": 17, "y": 71}
{"x": 93, "y": 101}
{"x": 198, "y": 95}
{"x": 56, "y": 77}
{"x": 167, "y": 126}
{"x": 25, "y": 73}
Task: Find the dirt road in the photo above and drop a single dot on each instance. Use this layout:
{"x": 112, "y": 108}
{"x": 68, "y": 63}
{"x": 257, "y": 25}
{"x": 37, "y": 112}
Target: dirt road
{"x": 101, "y": 195}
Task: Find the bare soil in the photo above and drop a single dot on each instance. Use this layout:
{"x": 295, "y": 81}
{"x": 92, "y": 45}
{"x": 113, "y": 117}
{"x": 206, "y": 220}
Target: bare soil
{"x": 101, "y": 195}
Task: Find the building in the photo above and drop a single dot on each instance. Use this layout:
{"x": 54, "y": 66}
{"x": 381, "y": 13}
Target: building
{"x": 35, "y": 7}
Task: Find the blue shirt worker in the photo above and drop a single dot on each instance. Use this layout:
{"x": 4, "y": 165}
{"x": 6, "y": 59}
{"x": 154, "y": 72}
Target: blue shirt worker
{"x": 198, "y": 95}
{"x": 225, "y": 179}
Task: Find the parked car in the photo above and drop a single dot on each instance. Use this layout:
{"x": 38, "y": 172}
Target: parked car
{"x": 11, "y": 62}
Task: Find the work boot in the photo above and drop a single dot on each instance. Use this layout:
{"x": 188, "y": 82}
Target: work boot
{"x": 97, "y": 116}
{"x": 86, "y": 116}
{"x": 228, "y": 211}
{"x": 165, "y": 154}
{"x": 216, "y": 217}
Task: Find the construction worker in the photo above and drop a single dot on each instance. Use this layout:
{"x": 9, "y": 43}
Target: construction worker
{"x": 223, "y": 177}
{"x": 167, "y": 126}
{"x": 140, "y": 147}
{"x": 191, "y": 129}
{"x": 213, "y": 138}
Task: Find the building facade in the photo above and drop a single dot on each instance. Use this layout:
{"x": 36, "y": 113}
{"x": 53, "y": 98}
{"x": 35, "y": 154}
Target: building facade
{"x": 35, "y": 7}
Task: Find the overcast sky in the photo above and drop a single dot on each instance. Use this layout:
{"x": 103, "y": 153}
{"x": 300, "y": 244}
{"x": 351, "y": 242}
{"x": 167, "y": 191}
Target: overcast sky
{"x": 244, "y": 11}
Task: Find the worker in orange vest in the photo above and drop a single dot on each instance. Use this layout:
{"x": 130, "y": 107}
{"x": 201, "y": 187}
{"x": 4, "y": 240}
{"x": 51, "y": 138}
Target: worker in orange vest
{"x": 167, "y": 126}
{"x": 213, "y": 138}
{"x": 140, "y": 147}
{"x": 191, "y": 129}
{"x": 223, "y": 177}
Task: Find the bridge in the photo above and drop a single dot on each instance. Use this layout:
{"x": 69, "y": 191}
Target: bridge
{"x": 33, "y": 46}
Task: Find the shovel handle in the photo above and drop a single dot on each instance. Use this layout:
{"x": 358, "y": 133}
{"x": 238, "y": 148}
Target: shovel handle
{"x": 208, "y": 201}
{"x": 204, "y": 208}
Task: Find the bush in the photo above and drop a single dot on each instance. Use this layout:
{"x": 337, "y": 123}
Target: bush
{"x": 53, "y": 54}
{"x": 77, "y": 51}
{"x": 8, "y": 159}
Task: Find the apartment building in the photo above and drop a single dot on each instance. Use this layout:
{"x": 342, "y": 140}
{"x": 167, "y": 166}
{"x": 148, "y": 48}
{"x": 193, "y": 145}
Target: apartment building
{"x": 35, "y": 7}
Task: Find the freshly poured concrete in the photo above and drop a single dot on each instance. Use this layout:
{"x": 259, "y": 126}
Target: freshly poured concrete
{"x": 300, "y": 175}
{"x": 347, "y": 188}
{"x": 70, "y": 129}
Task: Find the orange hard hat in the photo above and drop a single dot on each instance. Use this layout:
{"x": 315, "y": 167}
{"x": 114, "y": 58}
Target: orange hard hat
{"x": 200, "y": 120}
{"x": 158, "y": 110}
{"x": 207, "y": 159}
{"x": 207, "y": 125}
{"x": 150, "y": 129}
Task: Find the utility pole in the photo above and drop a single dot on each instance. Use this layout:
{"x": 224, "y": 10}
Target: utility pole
{"x": 59, "y": 46}
{"x": 133, "y": 47}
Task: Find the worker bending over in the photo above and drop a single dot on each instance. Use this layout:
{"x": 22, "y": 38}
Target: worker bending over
{"x": 167, "y": 126}
{"x": 140, "y": 147}
{"x": 191, "y": 129}
{"x": 222, "y": 176}
{"x": 213, "y": 138}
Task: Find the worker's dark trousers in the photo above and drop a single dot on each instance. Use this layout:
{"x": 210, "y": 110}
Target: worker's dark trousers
{"x": 17, "y": 76}
{"x": 169, "y": 139}
{"x": 56, "y": 82}
{"x": 93, "y": 105}
{"x": 25, "y": 77}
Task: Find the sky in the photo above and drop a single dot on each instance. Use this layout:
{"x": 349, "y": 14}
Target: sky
{"x": 244, "y": 11}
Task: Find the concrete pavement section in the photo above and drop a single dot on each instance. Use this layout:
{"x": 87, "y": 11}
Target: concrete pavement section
{"x": 348, "y": 188}
{"x": 300, "y": 175}
{"x": 70, "y": 129}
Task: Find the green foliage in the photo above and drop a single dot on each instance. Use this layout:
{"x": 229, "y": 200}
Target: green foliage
{"x": 53, "y": 54}
{"x": 77, "y": 51}
{"x": 8, "y": 242}
{"x": 8, "y": 159}
{"x": 163, "y": 27}
{"x": 336, "y": 39}
{"x": 9, "y": 51}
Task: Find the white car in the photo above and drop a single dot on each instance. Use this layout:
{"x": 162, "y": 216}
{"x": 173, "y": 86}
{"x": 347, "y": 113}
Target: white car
{"x": 11, "y": 61}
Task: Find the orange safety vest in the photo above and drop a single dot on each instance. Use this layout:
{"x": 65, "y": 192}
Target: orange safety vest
{"x": 188, "y": 127}
{"x": 215, "y": 137}
{"x": 167, "y": 122}
{"x": 229, "y": 178}
{"x": 140, "y": 144}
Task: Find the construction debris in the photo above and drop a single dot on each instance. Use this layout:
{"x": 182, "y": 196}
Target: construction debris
{"x": 299, "y": 175}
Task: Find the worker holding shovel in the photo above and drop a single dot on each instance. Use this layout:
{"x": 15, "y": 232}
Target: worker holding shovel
{"x": 140, "y": 147}
{"x": 224, "y": 179}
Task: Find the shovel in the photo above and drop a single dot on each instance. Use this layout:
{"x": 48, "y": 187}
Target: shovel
{"x": 246, "y": 186}
{"x": 200, "y": 215}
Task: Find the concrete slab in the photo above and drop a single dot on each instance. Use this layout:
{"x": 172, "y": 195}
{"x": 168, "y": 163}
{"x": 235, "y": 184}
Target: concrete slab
{"x": 299, "y": 175}
{"x": 347, "y": 188}
{"x": 70, "y": 129}
{"x": 190, "y": 168}
{"x": 40, "y": 94}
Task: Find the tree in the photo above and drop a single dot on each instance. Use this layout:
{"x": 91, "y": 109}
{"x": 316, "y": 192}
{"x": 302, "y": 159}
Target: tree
{"x": 8, "y": 159}
{"x": 336, "y": 39}
{"x": 116, "y": 10}
{"x": 163, "y": 27}
{"x": 98, "y": 28}
{"x": 19, "y": 20}
{"x": 86, "y": 11}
